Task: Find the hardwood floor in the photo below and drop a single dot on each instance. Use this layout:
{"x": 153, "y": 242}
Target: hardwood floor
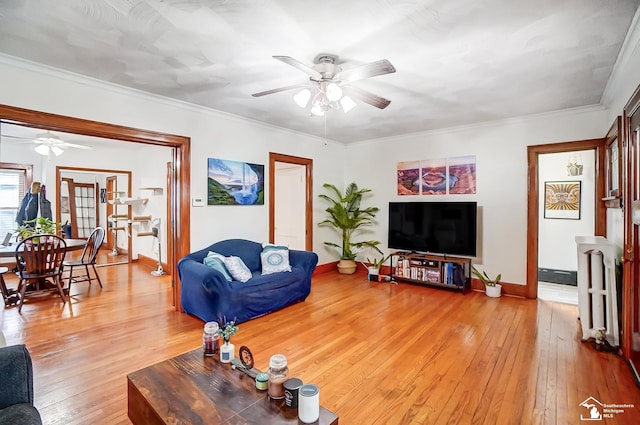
{"x": 380, "y": 353}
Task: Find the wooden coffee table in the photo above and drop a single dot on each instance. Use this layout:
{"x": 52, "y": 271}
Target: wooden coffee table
{"x": 194, "y": 389}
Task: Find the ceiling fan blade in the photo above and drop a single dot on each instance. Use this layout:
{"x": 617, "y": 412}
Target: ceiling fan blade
{"x": 278, "y": 90}
{"x": 366, "y": 97}
{"x": 73, "y": 145}
{"x": 372, "y": 69}
{"x": 16, "y": 137}
{"x": 302, "y": 67}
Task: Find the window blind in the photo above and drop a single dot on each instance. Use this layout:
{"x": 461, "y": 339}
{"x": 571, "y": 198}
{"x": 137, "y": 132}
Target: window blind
{"x": 12, "y": 190}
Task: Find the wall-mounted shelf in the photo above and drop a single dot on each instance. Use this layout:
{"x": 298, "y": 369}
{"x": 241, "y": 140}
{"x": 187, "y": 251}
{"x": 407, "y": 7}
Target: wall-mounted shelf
{"x": 129, "y": 201}
{"x": 155, "y": 190}
{"x": 142, "y": 218}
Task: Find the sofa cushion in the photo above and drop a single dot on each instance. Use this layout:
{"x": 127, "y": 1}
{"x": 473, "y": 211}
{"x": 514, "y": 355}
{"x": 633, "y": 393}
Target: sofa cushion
{"x": 260, "y": 282}
{"x": 275, "y": 259}
{"x": 237, "y": 268}
{"x": 20, "y": 414}
{"x": 216, "y": 261}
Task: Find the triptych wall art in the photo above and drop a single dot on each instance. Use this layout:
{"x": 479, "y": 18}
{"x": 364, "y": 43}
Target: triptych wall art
{"x": 441, "y": 176}
{"x": 234, "y": 183}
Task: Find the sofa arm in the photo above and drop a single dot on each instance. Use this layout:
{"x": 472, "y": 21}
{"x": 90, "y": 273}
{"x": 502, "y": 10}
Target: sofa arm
{"x": 306, "y": 260}
{"x": 194, "y": 272}
{"x": 16, "y": 375}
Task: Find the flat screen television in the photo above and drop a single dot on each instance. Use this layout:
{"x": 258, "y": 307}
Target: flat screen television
{"x": 433, "y": 227}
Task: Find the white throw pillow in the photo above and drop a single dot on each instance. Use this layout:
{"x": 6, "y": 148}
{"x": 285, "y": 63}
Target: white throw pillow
{"x": 216, "y": 261}
{"x": 237, "y": 268}
{"x": 275, "y": 259}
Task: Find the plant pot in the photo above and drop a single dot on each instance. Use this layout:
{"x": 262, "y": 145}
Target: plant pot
{"x": 493, "y": 291}
{"x": 347, "y": 266}
{"x": 374, "y": 272}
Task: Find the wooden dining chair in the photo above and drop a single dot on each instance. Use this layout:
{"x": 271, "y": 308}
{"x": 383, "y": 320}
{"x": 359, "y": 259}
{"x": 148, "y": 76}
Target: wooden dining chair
{"x": 87, "y": 259}
{"x": 39, "y": 260}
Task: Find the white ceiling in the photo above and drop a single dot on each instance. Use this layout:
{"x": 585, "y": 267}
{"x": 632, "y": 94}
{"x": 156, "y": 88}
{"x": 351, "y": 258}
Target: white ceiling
{"x": 458, "y": 62}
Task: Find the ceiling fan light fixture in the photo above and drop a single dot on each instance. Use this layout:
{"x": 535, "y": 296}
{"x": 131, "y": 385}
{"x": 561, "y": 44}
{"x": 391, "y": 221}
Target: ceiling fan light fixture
{"x": 347, "y": 104}
{"x": 317, "y": 109}
{"x": 333, "y": 92}
{"x": 302, "y": 98}
{"x": 56, "y": 150}
{"x": 42, "y": 150}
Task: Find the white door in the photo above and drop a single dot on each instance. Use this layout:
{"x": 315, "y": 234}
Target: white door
{"x": 289, "y": 215}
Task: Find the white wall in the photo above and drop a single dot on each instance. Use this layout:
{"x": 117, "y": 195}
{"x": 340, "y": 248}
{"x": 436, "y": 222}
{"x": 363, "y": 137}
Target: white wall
{"x": 556, "y": 237}
{"x": 213, "y": 135}
{"x": 501, "y": 160}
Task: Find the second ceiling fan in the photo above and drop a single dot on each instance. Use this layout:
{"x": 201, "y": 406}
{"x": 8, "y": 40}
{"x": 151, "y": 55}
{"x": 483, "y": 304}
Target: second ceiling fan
{"x": 330, "y": 87}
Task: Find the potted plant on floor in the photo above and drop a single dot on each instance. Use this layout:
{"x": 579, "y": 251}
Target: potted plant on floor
{"x": 492, "y": 287}
{"x": 346, "y": 216}
{"x": 374, "y": 265}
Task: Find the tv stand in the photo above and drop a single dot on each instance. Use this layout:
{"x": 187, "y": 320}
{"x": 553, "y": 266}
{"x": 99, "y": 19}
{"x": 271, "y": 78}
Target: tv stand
{"x": 438, "y": 270}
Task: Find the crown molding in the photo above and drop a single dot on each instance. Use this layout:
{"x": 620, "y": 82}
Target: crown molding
{"x": 488, "y": 124}
{"x": 629, "y": 46}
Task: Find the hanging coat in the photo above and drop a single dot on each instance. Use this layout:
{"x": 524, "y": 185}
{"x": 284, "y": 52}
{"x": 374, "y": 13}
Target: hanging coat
{"x": 45, "y": 204}
{"x": 28, "y": 208}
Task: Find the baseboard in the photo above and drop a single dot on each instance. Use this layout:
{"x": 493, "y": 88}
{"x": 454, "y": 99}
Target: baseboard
{"x": 563, "y": 277}
{"x": 332, "y": 267}
{"x": 510, "y": 289}
{"x": 151, "y": 262}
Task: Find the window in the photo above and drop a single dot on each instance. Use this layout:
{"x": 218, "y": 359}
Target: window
{"x": 12, "y": 189}
{"x": 613, "y": 165}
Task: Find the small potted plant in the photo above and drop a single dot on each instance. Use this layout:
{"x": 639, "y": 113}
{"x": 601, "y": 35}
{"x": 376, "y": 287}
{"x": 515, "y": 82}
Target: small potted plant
{"x": 226, "y": 331}
{"x": 492, "y": 287}
{"x": 375, "y": 264}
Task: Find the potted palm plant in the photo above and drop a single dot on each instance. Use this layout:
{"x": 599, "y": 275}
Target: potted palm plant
{"x": 492, "y": 286}
{"x": 346, "y": 216}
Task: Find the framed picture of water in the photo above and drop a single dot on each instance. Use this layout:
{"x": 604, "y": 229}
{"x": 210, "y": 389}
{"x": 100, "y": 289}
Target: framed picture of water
{"x": 234, "y": 183}
{"x": 562, "y": 200}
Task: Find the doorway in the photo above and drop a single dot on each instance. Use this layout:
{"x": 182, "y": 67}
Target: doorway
{"x": 114, "y": 183}
{"x": 535, "y": 202}
{"x": 567, "y": 212}
{"x": 179, "y": 207}
{"x": 291, "y": 201}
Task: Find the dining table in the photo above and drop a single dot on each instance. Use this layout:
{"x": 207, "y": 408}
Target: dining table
{"x": 10, "y": 296}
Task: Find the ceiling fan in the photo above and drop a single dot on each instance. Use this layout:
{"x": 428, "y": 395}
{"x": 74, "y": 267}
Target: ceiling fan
{"x": 329, "y": 86}
{"x": 47, "y": 143}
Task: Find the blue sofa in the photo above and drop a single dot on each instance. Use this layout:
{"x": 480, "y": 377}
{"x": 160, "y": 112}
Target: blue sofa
{"x": 208, "y": 295}
{"x": 16, "y": 387}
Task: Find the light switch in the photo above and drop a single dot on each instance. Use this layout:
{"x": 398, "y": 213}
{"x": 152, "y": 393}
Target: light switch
{"x": 197, "y": 202}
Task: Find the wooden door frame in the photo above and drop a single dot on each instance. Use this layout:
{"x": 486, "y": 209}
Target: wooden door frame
{"x": 110, "y": 183}
{"x": 533, "y": 153}
{"x": 180, "y": 208}
{"x": 629, "y": 253}
{"x": 308, "y": 221}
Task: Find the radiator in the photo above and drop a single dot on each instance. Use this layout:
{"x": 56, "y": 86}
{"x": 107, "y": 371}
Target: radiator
{"x": 597, "y": 298}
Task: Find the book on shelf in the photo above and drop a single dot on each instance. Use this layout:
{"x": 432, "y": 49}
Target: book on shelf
{"x": 448, "y": 274}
